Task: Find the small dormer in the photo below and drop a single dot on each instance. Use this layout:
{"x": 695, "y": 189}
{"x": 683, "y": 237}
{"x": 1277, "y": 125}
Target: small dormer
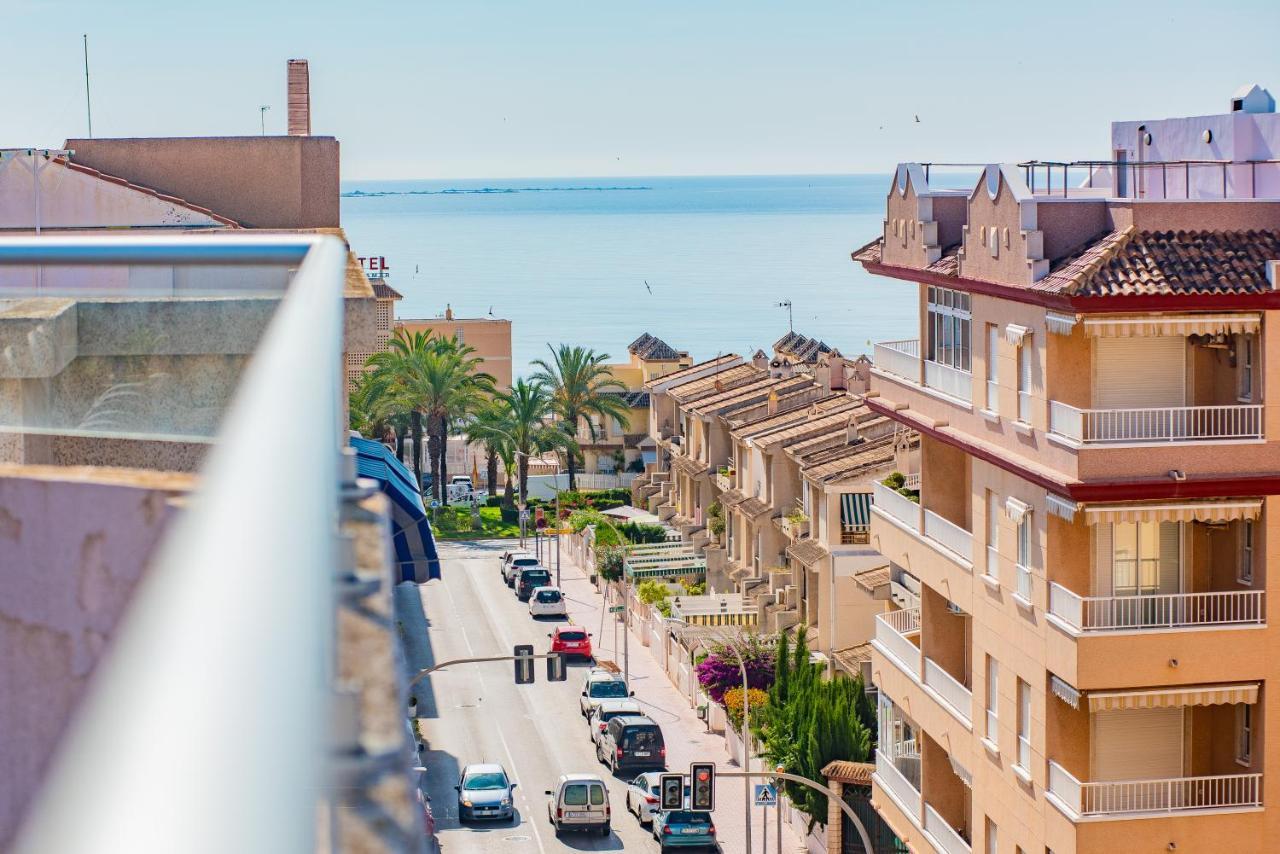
{"x": 919, "y": 222}
{"x": 1252, "y": 98}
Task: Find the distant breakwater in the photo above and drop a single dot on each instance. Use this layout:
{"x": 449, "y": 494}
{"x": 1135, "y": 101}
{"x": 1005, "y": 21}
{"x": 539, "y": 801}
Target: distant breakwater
{"x": 356, "y": 194}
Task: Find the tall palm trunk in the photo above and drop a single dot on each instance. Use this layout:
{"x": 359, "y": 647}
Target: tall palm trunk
{"x": 444, "y": 455}
{"x": 433, "y": 452}
{"x": 491, "y": 470}
{"x": 415, "y": 426}
{"x": 573, "y": 467}
{"x": 524, "y": 477}
{"x": 401, "y": 432}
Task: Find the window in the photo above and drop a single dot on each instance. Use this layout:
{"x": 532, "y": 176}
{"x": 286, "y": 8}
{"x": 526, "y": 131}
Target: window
{"x": 1024, "y": 727}
{"x": 993, "y": 845}
{"x": 993, "y": 242}
{"x": 1245, "y": 570}
{"x": 993, "y": 367}
{"x": 457, "y": 334}
{"x": 993, "y": 534}
{"x": 1244, "y": 733}
{"x": 948, "y": 328}
{"x": 993, "y": 700}
{"x": 1024, "y": 556}
{"x": 1024, "y": 380}
{"x": 1245, "y": 360}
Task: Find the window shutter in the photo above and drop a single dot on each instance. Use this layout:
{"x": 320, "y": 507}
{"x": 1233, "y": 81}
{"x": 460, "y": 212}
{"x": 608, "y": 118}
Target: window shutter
{"x": 1137, "y": 373}
{"x": 1137, "y": 744}
{"x": 1170, "y": 557}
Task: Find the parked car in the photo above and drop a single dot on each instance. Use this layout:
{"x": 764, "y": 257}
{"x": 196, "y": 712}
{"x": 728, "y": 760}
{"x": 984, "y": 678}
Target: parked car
{"x": 518, "y": 561}
{"x": 601, "y": 684}
{"x": 547, "y": 602}
{"x": 607, "y": 711}
{"x": 529, "y": 579}
{"x": 571, "y": 640}
{"x": 579, "y": 802}
{"x": 684, "y": 829}
{"x": 484, "y": 791}
{"x": 643, "y": 797}
{"x": 632, "y": 741}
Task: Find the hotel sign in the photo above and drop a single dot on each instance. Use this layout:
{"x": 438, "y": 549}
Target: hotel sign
{"x": 374, "y": 266}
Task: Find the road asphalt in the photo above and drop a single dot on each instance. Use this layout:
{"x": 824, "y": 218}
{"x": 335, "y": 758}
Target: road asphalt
{"x": 475, "y": 713}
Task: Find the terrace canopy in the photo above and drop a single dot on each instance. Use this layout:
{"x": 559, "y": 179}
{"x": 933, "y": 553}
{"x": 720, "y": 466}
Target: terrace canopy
{"x": 415, "y": 547}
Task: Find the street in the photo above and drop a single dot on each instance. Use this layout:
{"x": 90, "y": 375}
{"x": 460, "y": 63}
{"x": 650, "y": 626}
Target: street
{"x": 474, "y": 713}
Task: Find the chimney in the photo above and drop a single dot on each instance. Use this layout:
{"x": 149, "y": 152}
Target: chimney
{"x": 299, "y": 98}
{"x": 760, "y": 360}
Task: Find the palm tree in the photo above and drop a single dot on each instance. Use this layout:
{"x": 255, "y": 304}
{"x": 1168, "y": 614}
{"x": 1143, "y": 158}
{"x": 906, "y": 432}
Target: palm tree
{"x": 375, "y": 416}
{"x": 528, "y": 408}
{"x": 487, "y": 428}
{"x": 580, "y": 384}
{"x": 437, "y": 382}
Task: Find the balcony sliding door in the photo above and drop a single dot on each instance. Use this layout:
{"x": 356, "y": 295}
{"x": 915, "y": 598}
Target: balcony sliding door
{"x": 1138, "y": 567}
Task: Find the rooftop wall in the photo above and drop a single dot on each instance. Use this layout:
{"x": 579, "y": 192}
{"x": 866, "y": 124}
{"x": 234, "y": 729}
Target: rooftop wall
{"x": 259, "y": 181}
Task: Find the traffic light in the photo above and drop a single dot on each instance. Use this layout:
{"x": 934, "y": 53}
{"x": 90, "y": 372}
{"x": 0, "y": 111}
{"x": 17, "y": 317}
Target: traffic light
{"x": 524, "y": 663}
{"x": 671, "y": 789}
{"x": 703, "y": 775}
{"x": 555, "y": 668}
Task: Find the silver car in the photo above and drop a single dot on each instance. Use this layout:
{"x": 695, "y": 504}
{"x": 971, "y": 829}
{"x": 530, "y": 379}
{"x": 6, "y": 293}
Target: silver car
{"x": 485, "y": 791}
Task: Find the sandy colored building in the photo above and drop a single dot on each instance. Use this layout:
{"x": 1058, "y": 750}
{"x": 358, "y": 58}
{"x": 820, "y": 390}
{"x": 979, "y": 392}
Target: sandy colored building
{"x": 1082, "y": 656}
{"x": 490, "y": 336}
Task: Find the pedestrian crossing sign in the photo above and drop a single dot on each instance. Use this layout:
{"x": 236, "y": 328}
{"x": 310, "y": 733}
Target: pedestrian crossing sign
{"x": 766, "y": 795}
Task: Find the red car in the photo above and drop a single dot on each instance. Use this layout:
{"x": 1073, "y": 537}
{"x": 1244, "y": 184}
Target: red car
{"x": 571, "y": 640}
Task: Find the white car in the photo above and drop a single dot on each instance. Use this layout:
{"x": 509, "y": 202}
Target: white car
{"x": 601, "y": 684}
{"x": 606, "y": 710}
{"x": 643, "y": 799}
{"x": 547, "y": 602}
{"x": 515, "y": 563}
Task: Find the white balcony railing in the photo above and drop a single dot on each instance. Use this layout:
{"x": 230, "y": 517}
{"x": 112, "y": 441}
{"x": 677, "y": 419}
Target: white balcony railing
{"x": 950, "y": 689}
{"x": 891, "y": 635}
{"x": 944, "y": 835}
{"x": 900, "y": 358}
{"x": 949, "y": 380}
{"x": 949, "y": 535}
{"x": 1166, "y": 611}
{"x": 897, "y": 505}
{"x": 899, "y": 786}
{"x": 1170, "y": 424}
{"x": 1171, "y": 795}
{"x": 1024, "y": 582}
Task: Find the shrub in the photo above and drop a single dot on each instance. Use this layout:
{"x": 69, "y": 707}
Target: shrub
{"x": 652, "y": 592}
{"x": 719, "y": 671}
{"x": 609, "y": 561}
{"x": 895, "y": 480}
{"x": 509, "y": 515}
{"x": 493, "y": 501}
{"x": 716, "y": 525}
{"x": 733, "y": 704}
{"x": 715, "y": 511}
{"x": 636, "y": 465}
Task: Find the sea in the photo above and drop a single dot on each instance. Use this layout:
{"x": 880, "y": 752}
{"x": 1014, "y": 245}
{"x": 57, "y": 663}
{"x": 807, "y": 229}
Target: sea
{"x": 701, "y": 262}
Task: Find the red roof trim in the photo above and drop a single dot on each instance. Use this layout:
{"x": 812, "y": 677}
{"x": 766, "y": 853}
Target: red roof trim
{"x": 173, "y": 200}
{"x": 1099, "y": 490}
{"x": 1082, "y": 304}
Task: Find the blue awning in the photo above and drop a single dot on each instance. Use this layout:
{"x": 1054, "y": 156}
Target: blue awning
{"x": 415, "y": 547}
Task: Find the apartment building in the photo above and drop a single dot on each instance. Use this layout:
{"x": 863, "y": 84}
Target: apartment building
{"x": 490, "y": 337}
{"x": 1083, "y": 661}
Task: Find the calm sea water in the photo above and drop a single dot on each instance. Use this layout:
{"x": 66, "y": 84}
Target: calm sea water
{"x": 567, "y": 259}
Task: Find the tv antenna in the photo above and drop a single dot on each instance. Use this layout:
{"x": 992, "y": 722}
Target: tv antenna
{"x": 786, "y": 303}
{"x": 262, "y": 115}
{"x": 88, "y": 106}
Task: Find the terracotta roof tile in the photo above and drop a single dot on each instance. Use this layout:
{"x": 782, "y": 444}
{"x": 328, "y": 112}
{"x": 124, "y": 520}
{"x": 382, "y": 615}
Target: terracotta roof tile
{"x": 753, "y": 507}
{"x": 763, "y": 424}
{"x": 859, "y": 460}
{"x": 849, "y": 773}
{"x": 652, "y": 349}
{"x": 870, "y": 579}
{"x": 382, "y": 290}
{"x": 807, "y": 551}
{"x": 694, "y": 389}
{"x": 694, "y": 369}
{"x": 755, "y": 391}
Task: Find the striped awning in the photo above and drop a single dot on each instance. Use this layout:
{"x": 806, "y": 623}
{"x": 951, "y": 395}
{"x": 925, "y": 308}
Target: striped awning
{"x": 855, "y": 509}
{"x": 415, "y": 547}
{"x": 1167, "y": 698}
{"x": 1197, "y": 511}
{"x": 1151, "y": 325}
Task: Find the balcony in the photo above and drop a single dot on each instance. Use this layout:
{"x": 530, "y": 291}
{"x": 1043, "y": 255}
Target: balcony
{"x": 1155, "y": 613}
{"x": 955, "y": 696}
{"x": 1079, "y": 800}
{"x": 793, "y": 528}
{"x": 898, "y": 786}
{"x": 1157, "y": 426}
{"x": 948, "y": 380}
{"x": 900, "y": 358}
{"x": 892, "y": 631}
{"x": 944, "y": 836}
{"x": 938, "y": 532}
{"x": 724, "y": 478}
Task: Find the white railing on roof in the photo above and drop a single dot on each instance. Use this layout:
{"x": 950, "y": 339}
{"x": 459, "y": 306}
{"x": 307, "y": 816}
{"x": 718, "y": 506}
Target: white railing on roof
{"x": 944, "y": 835}
{"x": 1164, "y": 611}
{"x": 246, "y": 709}
{"x": 949, "y": 688}
{"x": 948, "y": 534}
{"x": 949, "y": 380}
{"x": 900, "y": 358}
{"x": 898, "y": 785}
{"x": 895, "y": 504}
{"x": 1168, "y": 424}
{"x": 1170, "y": 795}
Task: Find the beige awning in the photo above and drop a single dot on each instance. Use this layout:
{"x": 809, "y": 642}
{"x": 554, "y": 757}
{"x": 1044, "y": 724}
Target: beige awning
{"x": 1167, "y": 698}
{"x": 1150, "y": 325}
{"x": 1199, "y": 511}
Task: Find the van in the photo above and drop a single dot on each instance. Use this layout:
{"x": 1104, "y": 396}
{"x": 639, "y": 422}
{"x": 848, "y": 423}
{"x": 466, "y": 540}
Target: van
{"x": 632, "y": 742}
{"x": 579, "y": 802}
{"x": 531, "y": 578}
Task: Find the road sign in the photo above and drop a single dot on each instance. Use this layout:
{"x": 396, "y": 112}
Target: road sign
{"x": 616, "y": 609}
{"x": 524, "y": 515}
{"x": 524, "y": 663}
{"x": 766, "y": 795}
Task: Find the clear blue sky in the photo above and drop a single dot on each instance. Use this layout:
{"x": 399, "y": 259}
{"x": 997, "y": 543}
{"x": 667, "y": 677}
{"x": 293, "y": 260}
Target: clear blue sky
{"x": 469, "y": 88}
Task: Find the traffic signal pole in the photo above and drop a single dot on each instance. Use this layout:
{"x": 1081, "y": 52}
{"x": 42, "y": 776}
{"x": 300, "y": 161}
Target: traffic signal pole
{"x": 805, "y": 781}
{"x": 423, "y": 674}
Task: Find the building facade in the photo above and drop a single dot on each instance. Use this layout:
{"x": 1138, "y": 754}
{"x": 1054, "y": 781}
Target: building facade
{"x": 490, "y": 336}
{"x": 1081, "y": 658}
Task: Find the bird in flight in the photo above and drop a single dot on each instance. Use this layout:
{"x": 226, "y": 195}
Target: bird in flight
{"x": 646, "y": 286}
{"x": 917, "y": 119}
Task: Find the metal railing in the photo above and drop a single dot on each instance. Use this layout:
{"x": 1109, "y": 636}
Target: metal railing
{"x": 896, "y": 505}
{"x": 1168, "y": 424}
{"x": 241, "y": 703}
{"x": 944, "y": 835}
{"x": 1171, "y": 795}
{"x": 898, "y": 785}
{"x": 949, "y": 380}
{"x": 900, "y": 358}
{"x": 1157, "y": 611}
{"x": 949, "y": 688}
{"x": 891, "y": 635}
{"x": 1152, "y": 179}
{"x": 949, "y": 535}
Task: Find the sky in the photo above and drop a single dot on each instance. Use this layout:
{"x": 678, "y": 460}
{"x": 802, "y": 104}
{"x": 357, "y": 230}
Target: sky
{"x": 470, "y": 88}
